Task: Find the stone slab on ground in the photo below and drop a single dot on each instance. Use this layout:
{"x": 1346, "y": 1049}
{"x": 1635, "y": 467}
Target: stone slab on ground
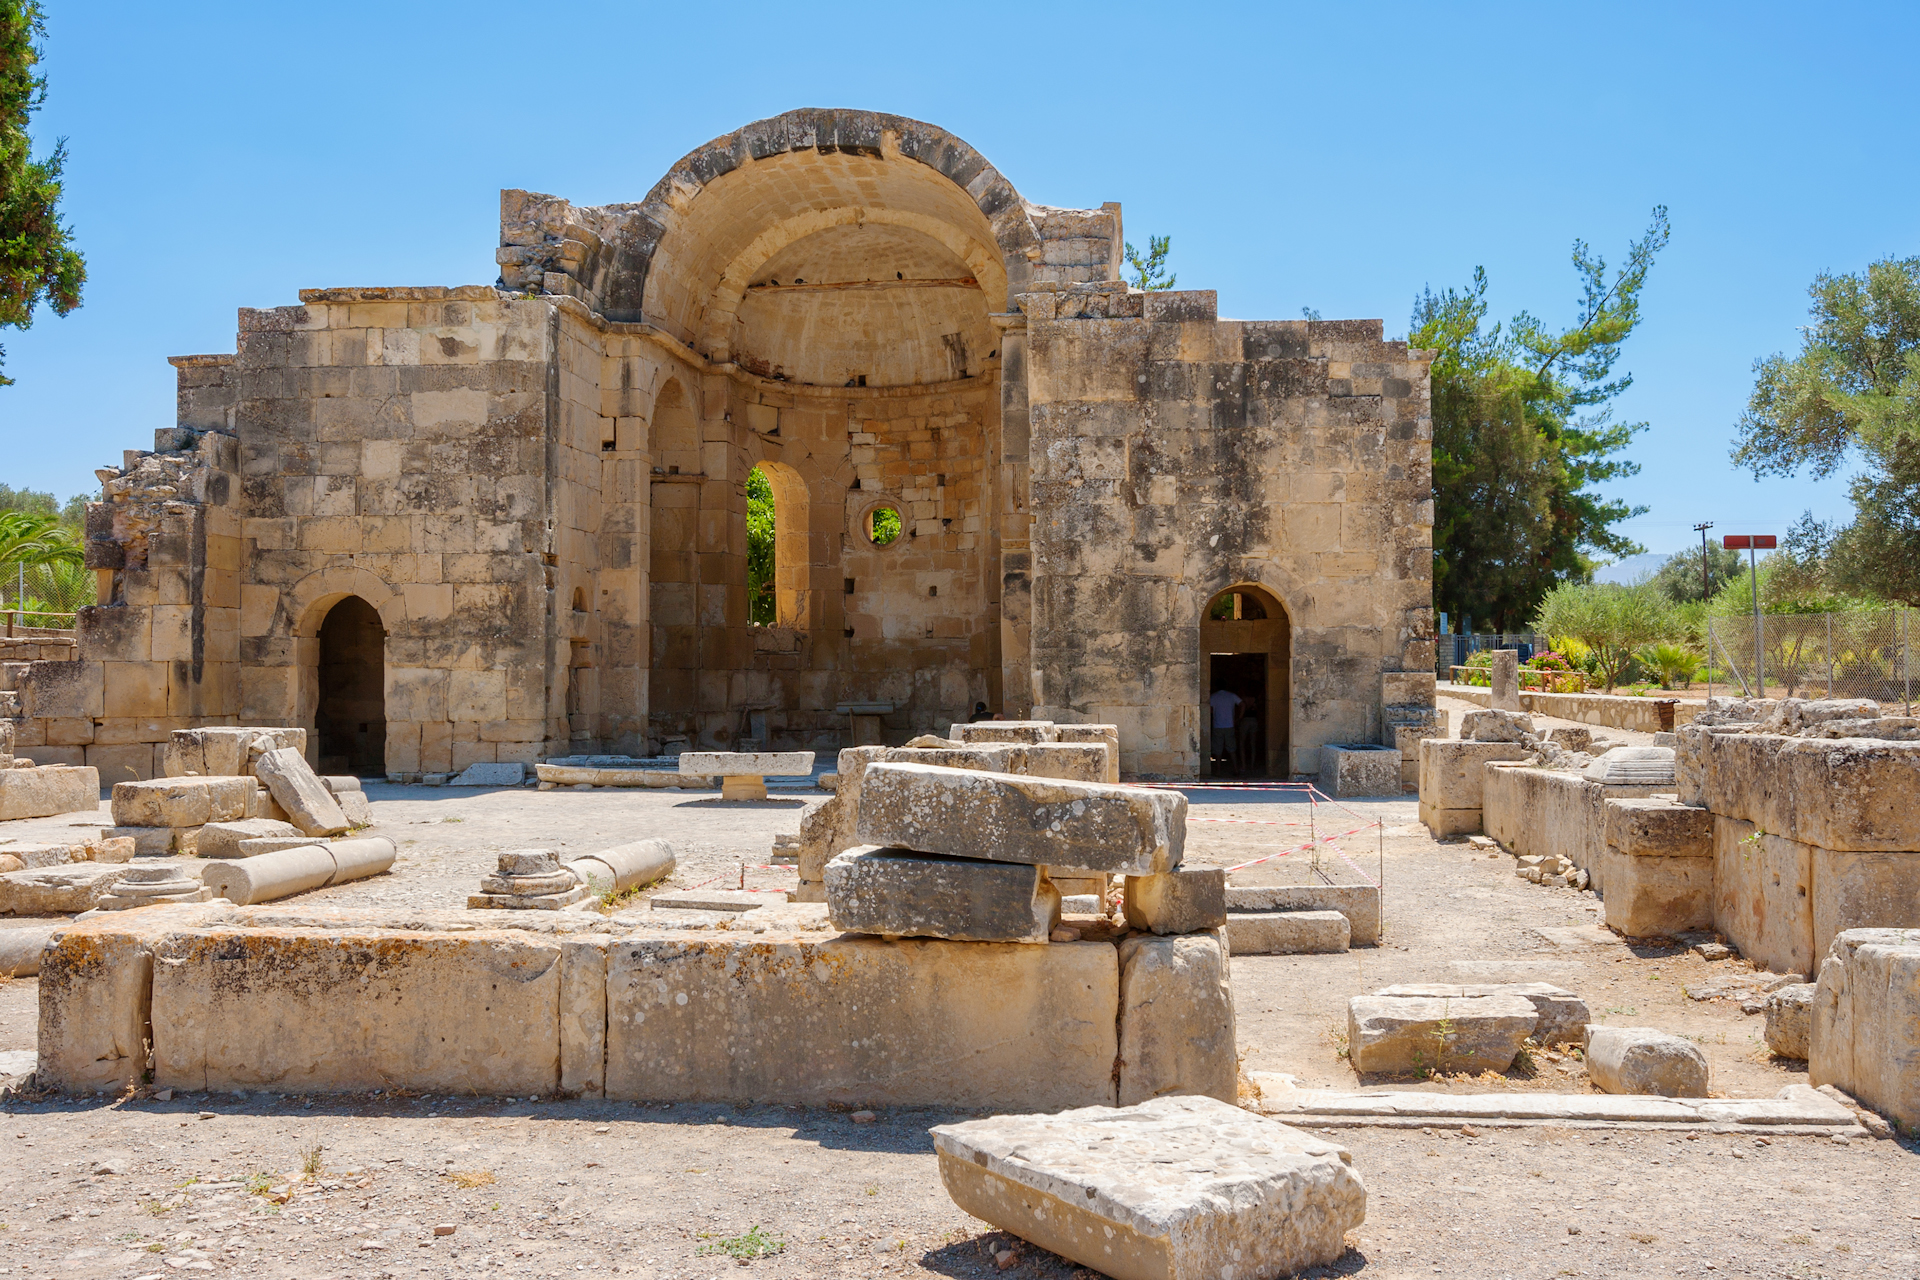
{"x": 298, "y": 790}
{"x": 1005, "y": 817}
{"x": 223, "y": 839}
{"x": 714, "y": 899}
{"x": 51, "y": 891}
{"x": 1797, "y": 1105}
{"x": 1173, "y": 1189}
{"x": 1399, "y": 1035}
{"x": 1185, "y": 900}
{"x": 47, "y": 790}
{"x": 1790, "y": 1019}
{"x": 489, "y": 775}
{"x": 567, "y": 775}
{"x": 181, "y": 802}
{"x": 746, "y": 764}
{"x": 1563, "y": 1015}
{"x": 1288, "y": 933}
{"x": 1359, "y": 903}
{"x": 1565, "y": 973}
{"x": 811, "y": 1018}
{"x": 22, "y": 945}
{"x": 1645, "y": 1060}
{"x": 903, "y": 894}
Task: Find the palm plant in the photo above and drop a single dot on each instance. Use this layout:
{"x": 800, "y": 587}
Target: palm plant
{"x": 1673, "y": 662}
{"x": 33, "y": 542}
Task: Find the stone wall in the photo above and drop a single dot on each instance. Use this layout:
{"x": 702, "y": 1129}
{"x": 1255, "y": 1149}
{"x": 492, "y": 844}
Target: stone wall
{"x": 1176, "y": 456}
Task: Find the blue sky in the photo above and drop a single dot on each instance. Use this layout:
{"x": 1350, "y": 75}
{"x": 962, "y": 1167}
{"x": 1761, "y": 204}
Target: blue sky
{"x": 227, "y": 155}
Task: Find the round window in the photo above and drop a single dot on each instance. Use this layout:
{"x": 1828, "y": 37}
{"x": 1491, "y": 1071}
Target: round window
{"x": 883, "y": 525}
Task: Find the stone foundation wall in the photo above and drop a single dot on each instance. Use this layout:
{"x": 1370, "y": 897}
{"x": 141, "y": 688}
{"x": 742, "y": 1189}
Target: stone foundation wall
{"x": 1552, "y": 814}
{"x": 1642, "y": 715}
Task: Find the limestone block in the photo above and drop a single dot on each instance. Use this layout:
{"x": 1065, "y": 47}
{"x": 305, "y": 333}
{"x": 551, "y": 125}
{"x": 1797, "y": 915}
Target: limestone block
{"x": 118, "y": 849}
{"x": 1790, "y": 1019}
{"x": 1176, "y": 1018}
{"x": 1865, "y": 1035}
{"x": 1359, "y": 903}
{"x": 1763, "y": 895}
{"x": 1359, "y": 769}
{"x": 1499, "y": 724}
{"x": 341, "y": 783}
{"x": 1407, "y": 688}
{"x": 1186, "y": 900}
{"x": 1397, "y": 1035}
{"x": 1633, "y": 767}
{"x": 1182, "y": 1188}
{"x": 1838, "y": 793}
{"x": 1450, "y": 771}
{"x": 1442, "y": 823}
{"x": 747, "y": 764}
{"x": 358, "y": 859}
{"x": 987, "y": 731}
{"x": 707, "y": 900}
{"x": 180, "y": 802}
{"x": 245, "y": 881}
{"x": 438, "y": 1012}
{"x": 626, "y": 866}
{"x": 1563, "y": 1015}
{"x": 1008, "y": 818}
{"x": 810, "y": 1019}
{"x": 1853, "y": 890}
{"x": 899, "y": 893}
{"x": 1571, "y": 737}
{"x": 157, "y": 842}
{"x": 52, "y": 891}
{"x": 490, "y": 775}
{"x": 1288, "y": 933}
{"x": 222, "y": 839}
{"x": 1642, "y": 827}
{"x": 21, "y": 947}
{"x": 1505, "y": 676}
{"x": 48, "y": 790}
{"x": 262, "y": 805}
{"x": 583, "y": 1015}
{"x": 1104, "y": 734}
{"x": 36, "y": 855}
{"x": 298, "y": 790}
{"x": 355, "y": 805}
{"x": 1642, "y": 1060}
{"x": 1650, "y": 897}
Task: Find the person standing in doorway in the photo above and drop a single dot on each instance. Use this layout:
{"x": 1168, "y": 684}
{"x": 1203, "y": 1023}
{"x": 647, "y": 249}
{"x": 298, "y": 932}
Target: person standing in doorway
{"x": 1247, "y": 737}
{"x": 1226, "y": 706}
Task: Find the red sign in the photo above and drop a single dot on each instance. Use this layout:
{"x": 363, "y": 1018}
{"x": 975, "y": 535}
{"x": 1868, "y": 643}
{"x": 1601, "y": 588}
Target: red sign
{"x": 1751, "y": 541}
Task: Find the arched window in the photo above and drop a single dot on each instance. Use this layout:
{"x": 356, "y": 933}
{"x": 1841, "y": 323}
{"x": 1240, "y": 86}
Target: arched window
{"x": 762, "y": 556}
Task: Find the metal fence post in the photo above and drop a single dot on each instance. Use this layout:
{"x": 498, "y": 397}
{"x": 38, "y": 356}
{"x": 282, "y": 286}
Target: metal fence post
{"x": 1829, "y": 655}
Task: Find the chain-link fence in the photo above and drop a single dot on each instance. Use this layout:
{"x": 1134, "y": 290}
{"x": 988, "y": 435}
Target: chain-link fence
{"x": 1864, "y": 654}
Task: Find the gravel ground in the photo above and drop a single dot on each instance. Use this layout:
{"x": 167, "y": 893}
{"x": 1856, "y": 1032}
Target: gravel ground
{"x": 93, "y": 1185}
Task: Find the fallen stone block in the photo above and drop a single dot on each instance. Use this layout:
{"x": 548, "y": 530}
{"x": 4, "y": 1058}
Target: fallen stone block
{"x": 180, "y": 802}
{"x": 1633, "y": 767}
{"x": 812, "y": 1019}
{"x": 1176, "y": 1018}
{"x": 712, "y": 900}
{"x": 490, "y": 775}
{"x": 157, "y": 842}
{"x": 1398, "y": 1035}
{"x": 1009, "y": 818}
{"x": 626, "y": 866}
{"x": 1658, "y": 869}
{"x": 1107, "y": 735}
{"x": 1173, "y": 1189}
{"x": 1186, "y": 900}
{"x": 1359, "y": 769}
{"x": 298, "y": 790}
{"x": 53, "y": 891}
{"x": 222, "y": 839}
{"x": 47, "y": 790}
{"x": 21, "y": 947}
{"x": 559, "y": 775}
{"x": 529, "y": 880}
{"x": 436, "y": 1012}
{"x": 244, "y": 881}
{"x": 33, "y": 856}
{"x": 262, "y": 805}
{"x": 1496, "y": 725}
{"x": 992, "y": 731}
{"x": 1790, "y": 1019}
{"x": 110, "y": 849}
{"x": 222, "y": 750}
{"x": 355, "y": 805}
{"x": 897, "y": 893}
{"x": 1643, "y": 1060}
{"x": 1359, "y": 903}
{"x": 341, "y": 783}
{"x": 1563, "y": 1015}
{"x": 1288, "y": 933}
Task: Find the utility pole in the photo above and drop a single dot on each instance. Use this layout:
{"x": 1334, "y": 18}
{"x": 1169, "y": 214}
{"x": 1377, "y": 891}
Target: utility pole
{"x": 1706, "y": 594}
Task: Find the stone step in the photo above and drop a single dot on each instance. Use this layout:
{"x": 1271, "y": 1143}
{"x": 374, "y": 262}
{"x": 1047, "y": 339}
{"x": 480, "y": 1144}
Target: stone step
{"x": 1287, "y": 933}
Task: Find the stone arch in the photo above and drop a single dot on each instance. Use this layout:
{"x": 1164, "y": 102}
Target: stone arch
{"x": 676, "y": 429}
{"x": 308, "y": 601}
{"x": 792, "y": 544}
{"x": 1253, "y": 655}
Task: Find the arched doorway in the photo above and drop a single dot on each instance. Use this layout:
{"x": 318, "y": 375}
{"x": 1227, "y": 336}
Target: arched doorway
{"x": 350, "y": 720}
{"x": 1245, "y": 651}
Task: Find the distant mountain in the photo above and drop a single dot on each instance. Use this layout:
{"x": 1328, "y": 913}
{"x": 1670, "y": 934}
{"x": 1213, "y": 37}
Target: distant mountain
{"x": 1633, "y": 568}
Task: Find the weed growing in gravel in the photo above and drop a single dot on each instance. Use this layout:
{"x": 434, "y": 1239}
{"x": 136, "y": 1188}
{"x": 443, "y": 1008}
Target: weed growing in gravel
{"x": 468, "y": 1179}
{"x": 1338, "y": 1039}
{"x": 310, "y": 1161}
{"x": 756, "y": 1243}
{"x": 1642, "y": 1237}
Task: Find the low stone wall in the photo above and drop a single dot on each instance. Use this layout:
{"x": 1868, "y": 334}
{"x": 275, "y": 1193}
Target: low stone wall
{"x": 31, "y": 644}
{"x": 774, "y": 1010}
{"x": 1542, "y": 811}
{"x": 1865, "y": 1034}
{"x": 1609, "y": 711}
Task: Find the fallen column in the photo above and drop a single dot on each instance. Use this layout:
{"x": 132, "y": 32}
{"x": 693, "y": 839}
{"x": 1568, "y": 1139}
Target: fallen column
{"x": 1178, "y": 1188}
{"x": 625, "y": 866}
{"x": 1642, "y": 1060}
{"x": 245, "y": 881}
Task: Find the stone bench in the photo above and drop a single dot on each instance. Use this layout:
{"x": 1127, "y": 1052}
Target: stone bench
{"x": 743, "y": 774}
